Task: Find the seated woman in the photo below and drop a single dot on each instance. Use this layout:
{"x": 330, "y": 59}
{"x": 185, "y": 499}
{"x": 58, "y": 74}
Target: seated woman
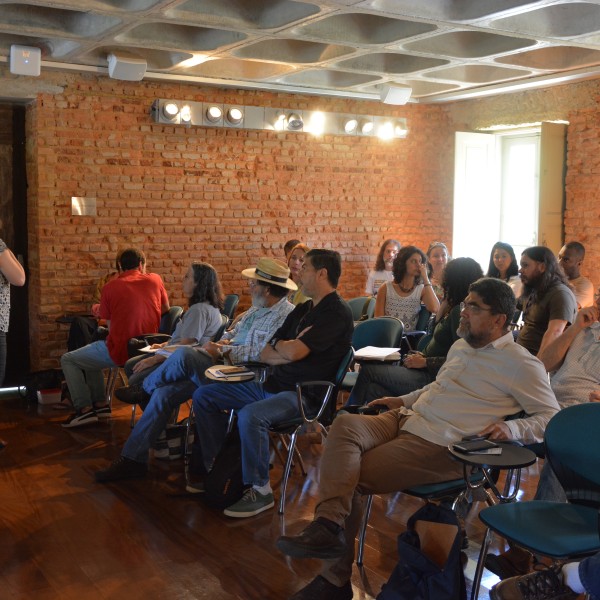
{"x": 503, "y": 265}
{"x": 420, "y": 368}
{"x": 198, "y": 325}
{"x": 437, "y": 259}
{"x": 294, "y": 263}
{"x": 383, "y": 267}
{"x": 402, "y": 297}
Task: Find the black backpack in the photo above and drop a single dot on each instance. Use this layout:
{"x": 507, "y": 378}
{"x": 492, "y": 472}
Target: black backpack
{"x": 429, "y": 565}
{"x": 224, "y": 485}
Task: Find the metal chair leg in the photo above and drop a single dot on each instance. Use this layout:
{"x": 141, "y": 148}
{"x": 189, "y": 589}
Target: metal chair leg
{"x": 363, "y": 532}
{"x": 286, "y": 471}
{"x": 487, "y": 538}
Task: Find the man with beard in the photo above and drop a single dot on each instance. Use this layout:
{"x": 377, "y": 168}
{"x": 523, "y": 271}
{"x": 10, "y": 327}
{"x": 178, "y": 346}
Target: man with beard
{"x": 571, "y": 257}
{"x": 486, "y": 377}
{"x": 176, "y": 379}
{"x": 549, "y": 305}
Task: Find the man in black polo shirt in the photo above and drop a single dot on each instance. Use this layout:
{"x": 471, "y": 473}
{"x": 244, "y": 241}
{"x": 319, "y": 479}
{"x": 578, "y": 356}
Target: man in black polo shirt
{"x": 309, "y": 345}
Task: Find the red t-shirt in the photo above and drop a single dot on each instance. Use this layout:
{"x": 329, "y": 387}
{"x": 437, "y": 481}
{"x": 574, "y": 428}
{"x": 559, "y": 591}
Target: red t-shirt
{"x": 133, "y": 303}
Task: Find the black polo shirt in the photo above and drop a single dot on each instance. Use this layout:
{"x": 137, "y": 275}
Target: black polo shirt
{"x": 328, "y": 340}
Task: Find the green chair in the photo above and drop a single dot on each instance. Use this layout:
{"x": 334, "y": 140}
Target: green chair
{"x": 557, "y": 530}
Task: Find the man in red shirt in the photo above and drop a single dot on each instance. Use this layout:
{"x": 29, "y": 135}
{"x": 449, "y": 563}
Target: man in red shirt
{"x": 132, "y": 304}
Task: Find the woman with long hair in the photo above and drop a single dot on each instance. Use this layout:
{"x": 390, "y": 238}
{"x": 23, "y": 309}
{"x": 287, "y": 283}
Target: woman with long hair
{"x": 420, "y": 368}
{"x": 402, "y": 297}
{"x": 295, "y": 263}
{"x": 199, "y": 323}
{"x": 437, "y": 259}
{"x": 383, "y": 266}
{"x": 503, "y": 265}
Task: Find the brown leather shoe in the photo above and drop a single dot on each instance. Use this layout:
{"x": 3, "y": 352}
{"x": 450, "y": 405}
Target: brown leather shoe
{"x": 511, "y": 563}
{"x": 539, "y": 585}
{"x": 314, "y": 541}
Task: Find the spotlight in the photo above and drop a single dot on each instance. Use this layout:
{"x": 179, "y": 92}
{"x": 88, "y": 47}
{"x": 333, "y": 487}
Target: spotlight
{"x": 366, "y": 127}
{"x": 385, "y": 131}
{"x": 280, "y": 121}
{"x": 214, "y": 114}
{"x": 186, "y": 114}
{"x": 234, "y": 116}
{"x": 170, "y": 110}
{"x": 350, "y": 126}
{"x": 401, "y": 129}
{"x": 294, "y": 122}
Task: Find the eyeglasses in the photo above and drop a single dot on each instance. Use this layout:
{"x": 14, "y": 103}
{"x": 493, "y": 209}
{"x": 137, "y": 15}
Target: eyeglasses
{"x": 472, "y": 308}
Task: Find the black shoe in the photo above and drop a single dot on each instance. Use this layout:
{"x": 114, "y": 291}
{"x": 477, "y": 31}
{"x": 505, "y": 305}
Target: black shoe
{"x": 315, "y": 541}
{"x": 320, "y": 589}
{"x": 512, "y": 563}
{"x": 539, "y": 585}
{"x": 132, "y": 394}
{"x": 122, "y": 468}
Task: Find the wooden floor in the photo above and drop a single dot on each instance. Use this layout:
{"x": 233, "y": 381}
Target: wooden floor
{"x": 64, "y": 536}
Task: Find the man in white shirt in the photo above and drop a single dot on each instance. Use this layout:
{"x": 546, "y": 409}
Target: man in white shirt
{"x": 486, "y": 378}
{"x": 571, "y": 257}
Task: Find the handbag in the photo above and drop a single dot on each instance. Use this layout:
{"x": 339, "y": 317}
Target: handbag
{"x": 429, "y": 565}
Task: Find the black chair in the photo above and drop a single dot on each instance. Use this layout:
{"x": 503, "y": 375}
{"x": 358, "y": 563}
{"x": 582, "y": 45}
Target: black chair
{"x": 229, "y": 305}
{"x": 312, "y": 411}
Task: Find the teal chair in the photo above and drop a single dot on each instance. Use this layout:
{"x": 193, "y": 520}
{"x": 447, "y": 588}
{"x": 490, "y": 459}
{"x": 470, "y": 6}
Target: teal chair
{"x": 557, "y": 530}
{"x": 382, "y": 332}
{"x": 360, "y": 307}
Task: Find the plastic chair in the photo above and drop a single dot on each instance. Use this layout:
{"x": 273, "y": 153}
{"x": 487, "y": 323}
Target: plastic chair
{"x": 557, "y": 530}
{"x": 410, "y": 340}
{"x": 310, "y": 412}
{"x": 229, "y": 305}
{"x": 360, "y": 307}
{"x": 382, "y": 332}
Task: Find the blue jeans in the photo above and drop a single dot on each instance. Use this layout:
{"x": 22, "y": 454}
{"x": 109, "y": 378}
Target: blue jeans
{"x": 589, "y": 573}
{"x": 256, "y": 409}
{"x": 83, "y": 373}
{"x": 377, "y": 381}
{"x": 185, "y": 363}
{"x": 549, "y": 488}
{"x": 155, "y": 418}
{"x": 170, "y": 384}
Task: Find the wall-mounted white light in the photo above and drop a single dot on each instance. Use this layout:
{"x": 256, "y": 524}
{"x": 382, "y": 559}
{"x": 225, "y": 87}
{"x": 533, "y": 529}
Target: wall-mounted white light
{"x": 214, "y": 114}
{"x": 316, "y": 123}
{"x": 350, "y": 126}
{"x": 295, "y": 122}
{"x": 385, "y": 131}
{"x": 366, "y": 126}
{"x": 185, "y": 114}
{"x": 234, "y": 116}
{"x": 170, "y": 110}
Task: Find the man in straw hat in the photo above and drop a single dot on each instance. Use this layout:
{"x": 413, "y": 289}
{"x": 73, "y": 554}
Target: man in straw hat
{"x": 309, "y": 346}
{"x": 176, "y": 379}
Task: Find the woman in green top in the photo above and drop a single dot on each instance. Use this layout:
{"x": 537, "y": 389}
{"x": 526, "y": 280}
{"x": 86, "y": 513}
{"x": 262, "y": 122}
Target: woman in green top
{"x": 420, "y": 368}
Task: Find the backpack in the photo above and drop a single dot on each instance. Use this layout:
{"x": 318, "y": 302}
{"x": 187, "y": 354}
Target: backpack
{"x": 223, "y": 484}
{"x": 429, "y": 565}
{"x": 42, "y": 380}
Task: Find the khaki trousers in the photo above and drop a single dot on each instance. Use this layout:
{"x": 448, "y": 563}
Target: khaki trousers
{"x": 372, "y": 455}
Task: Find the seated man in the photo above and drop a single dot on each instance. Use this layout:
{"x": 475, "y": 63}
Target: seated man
{"x": 575, "y": 358}
{"x": 174, "y": 381}
{"x": 132, "y": 304}
{"x": 486, "y": 377}
{"x": 570, "y": 258}
{"x": 308, "y": 346}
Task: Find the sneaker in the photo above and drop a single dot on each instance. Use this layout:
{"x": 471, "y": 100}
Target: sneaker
{"x": 122, "y": 468}
{"x": 320, "y": 589}
{"x": 250, "y": 504}
{"x": 79, "y": 418}
{"x": 539, "y": 585}
{"x": 132, "y": 394}
{"x": 195, "y": 487}
{"x": 314, "y": 541}
{"x": 103, "y": 412}
{"x": 511, "y": 563}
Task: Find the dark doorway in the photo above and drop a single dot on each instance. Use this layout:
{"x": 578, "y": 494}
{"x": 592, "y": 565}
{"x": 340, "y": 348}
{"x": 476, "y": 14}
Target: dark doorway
{"x": 13, "y": 213}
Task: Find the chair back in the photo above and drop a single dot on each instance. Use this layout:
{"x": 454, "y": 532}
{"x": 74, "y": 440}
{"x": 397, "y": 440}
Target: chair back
{"x": 383, "y": 332}
{"x": 219, "y": 334}
{"x": 423, "y": 319}
{"x": 170, "y": 319}
{"x": 230, "y": 304}
{"x": 359, "y": 306}
{"x": 572, "y": 443}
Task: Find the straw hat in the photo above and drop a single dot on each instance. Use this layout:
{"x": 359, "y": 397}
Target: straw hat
{"x": 271, "y": 271}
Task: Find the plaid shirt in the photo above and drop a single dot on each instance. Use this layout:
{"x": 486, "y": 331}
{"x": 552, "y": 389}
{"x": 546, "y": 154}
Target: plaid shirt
{"x": 255, "y": 329}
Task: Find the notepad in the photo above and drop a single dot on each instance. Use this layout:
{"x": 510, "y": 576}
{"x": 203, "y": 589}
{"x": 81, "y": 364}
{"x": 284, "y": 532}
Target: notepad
{"x": 375, "y": 353}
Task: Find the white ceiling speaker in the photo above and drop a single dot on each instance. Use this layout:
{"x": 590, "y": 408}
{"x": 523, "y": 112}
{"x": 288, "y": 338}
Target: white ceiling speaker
{"x": 25, "y": 60}
{"x": 126, "y": 68}
{"x": 395, "y": 94}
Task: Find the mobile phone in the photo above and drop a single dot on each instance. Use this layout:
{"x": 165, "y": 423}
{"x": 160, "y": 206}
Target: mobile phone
{"x": 475, "y": 437}
{"x": 474, "y": 446}
{"x": 370, "y": 410}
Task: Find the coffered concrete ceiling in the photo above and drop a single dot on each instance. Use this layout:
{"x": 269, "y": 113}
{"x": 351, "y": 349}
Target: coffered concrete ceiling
{"x": 442, "y": 49}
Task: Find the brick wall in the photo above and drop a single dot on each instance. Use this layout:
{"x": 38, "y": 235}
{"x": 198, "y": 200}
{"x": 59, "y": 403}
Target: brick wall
{"x": 223, "y": 195}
